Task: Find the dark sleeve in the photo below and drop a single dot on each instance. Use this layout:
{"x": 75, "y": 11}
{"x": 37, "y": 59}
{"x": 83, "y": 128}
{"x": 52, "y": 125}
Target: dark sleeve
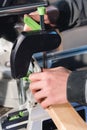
{"x": 77, "y": 87}
{"x": 1, "y": 2}
{"x": 72, "y": 13}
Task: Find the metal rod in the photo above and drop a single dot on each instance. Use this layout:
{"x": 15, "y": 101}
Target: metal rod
{"x": 42, "y": 11}
{"x": 55, "y": 56}
{"x": 21, "y": 92}
{"x": 20, "y": 9}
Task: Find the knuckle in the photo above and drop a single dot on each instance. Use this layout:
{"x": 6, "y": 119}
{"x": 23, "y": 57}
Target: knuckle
{"x": 43, "y": 105}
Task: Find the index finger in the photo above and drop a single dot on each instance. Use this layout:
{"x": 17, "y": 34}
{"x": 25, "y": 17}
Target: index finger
{"x": 35, "y": 76}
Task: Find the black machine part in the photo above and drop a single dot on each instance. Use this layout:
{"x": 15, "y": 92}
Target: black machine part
{"x": 29, "y": 43}
{"x": 15, "y": 7}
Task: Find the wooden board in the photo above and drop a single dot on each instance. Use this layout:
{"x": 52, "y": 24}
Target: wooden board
{"x": 66, "y": 118}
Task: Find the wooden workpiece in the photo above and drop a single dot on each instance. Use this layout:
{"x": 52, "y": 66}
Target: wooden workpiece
{"x": 66, "y": 118}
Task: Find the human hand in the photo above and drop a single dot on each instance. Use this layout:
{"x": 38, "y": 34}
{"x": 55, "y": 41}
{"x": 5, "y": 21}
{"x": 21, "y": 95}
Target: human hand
{"x": 50, "y": 18}
{"x": 49, "y": 87}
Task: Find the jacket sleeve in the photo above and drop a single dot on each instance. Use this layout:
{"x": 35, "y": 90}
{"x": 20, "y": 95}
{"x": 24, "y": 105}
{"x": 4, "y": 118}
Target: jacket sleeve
{"x": 1, "y": 3}
{"x": 77, "y": 87}
{"x": 72, "y": 13}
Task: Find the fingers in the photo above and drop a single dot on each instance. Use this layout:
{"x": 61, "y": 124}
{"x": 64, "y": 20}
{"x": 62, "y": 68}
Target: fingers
{"x": 39, "y": 76}
{"x": 40, "y": 97}
{"x": 46, "y": 102}
{"x": 36, "y": 86}
{"x": 47, "y": 87}
{"x": 54, "y": 69}
{"x": 40, "y": 94}
{"x": 35, "y": 16}
{"x": 27, "y": 28}
{"x": 59, "y": 68}
{"x": 35, "y": 77}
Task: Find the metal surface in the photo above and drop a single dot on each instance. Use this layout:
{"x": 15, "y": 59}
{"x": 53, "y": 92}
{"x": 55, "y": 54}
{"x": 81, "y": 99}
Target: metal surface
{"x": 4, "y": 110}
{"x": 21, "y": 9}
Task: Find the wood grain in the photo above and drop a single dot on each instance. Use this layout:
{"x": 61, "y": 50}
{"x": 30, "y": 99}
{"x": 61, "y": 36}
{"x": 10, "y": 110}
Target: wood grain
{"x": 66, "y": 118}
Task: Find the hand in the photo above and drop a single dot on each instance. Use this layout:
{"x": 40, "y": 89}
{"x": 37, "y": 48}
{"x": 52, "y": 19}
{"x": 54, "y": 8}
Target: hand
{"x": 49, "y": 87}
{"x": 50, "y": 17}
